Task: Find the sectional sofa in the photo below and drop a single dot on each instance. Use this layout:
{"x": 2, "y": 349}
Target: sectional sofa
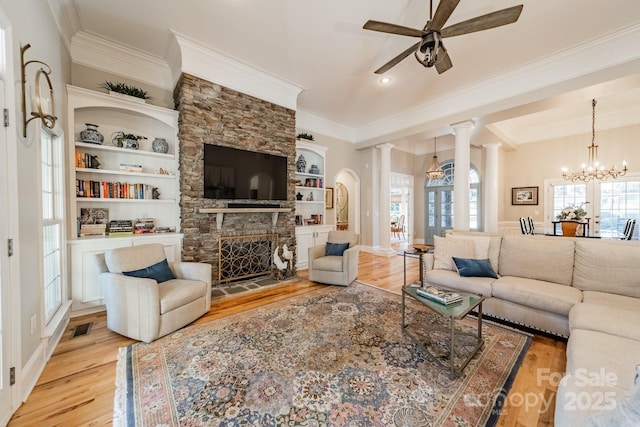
{"x": 586, "y": 290}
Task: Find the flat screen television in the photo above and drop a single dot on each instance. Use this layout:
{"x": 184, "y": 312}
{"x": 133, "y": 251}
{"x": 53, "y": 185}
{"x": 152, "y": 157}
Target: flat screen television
{"x": 234, "y": 174}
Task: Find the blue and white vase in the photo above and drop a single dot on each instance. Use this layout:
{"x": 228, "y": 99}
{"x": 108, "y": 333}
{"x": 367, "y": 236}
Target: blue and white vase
{"x": 160, "y": 145}
{"x": 91, "y": 134}
{"x": 301, "y": 164}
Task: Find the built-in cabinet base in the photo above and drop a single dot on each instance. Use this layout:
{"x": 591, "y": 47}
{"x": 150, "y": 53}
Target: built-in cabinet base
{"x": 85, "y": 287}
{"x": 308, "y": 236}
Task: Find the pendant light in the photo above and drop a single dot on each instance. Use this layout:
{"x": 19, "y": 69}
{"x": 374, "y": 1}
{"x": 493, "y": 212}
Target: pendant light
{"x": 435, "y": 171}
{"x": 594, "y": 170}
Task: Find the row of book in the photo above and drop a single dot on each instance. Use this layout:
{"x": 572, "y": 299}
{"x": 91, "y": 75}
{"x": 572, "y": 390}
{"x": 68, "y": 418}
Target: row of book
{"x": 124, "y": 227}
{"x": 439, "y": 295}
{"x": 114, "y": 190}
{"x": 86, "y": 160}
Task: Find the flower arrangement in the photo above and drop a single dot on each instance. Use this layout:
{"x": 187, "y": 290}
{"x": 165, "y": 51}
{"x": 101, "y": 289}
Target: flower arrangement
{"x": 573, "y": 212}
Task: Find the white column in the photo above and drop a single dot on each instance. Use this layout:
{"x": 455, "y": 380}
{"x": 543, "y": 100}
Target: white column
{"x": 385, "y": 200}
{"x": 462, "y": 131}
{"x": 490, "y": 195}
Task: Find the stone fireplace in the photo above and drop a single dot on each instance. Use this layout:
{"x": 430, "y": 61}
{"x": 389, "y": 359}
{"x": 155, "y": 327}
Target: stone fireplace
{"x": 213, "y": 114}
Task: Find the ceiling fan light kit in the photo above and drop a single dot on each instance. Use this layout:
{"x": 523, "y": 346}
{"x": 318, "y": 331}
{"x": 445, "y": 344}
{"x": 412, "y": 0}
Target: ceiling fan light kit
{"x": 594, "y": 170}
{"x": 430, "y": 50}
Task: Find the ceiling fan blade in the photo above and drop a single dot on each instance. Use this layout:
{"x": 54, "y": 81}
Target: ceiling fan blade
{"x": 385, "y": 27}
{"x": 443, "y": 12}
{"x": 484, "y": 22}
{"x": 443, "y": 63}
{"x": 386, "y": 67}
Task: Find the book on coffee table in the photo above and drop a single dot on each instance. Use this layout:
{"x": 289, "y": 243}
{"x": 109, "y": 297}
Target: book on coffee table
{"x": 439, "y": 295}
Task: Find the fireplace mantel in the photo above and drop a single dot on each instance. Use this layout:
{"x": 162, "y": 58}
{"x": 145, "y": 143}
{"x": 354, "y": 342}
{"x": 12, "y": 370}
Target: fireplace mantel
{"x": 221, "y": 211}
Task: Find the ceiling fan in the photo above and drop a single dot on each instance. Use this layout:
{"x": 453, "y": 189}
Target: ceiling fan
{"x": 430, "y": 45}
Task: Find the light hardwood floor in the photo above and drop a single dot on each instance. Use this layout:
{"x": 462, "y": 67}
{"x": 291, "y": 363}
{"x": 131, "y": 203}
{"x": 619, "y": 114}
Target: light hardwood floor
{"x": 78, "y": 383}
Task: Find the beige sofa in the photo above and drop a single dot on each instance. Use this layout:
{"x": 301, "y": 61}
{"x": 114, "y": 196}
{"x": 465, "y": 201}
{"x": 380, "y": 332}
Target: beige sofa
{"x": 585, "y": 289}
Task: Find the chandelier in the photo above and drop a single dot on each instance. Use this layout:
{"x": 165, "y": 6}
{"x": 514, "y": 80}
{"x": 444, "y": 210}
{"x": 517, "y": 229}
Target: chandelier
{"x": 435, "y": 171}
{"x": 594, "y": 170}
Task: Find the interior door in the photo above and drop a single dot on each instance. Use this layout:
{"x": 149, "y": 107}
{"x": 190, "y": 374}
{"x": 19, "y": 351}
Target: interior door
{"x": 439, "y": 210}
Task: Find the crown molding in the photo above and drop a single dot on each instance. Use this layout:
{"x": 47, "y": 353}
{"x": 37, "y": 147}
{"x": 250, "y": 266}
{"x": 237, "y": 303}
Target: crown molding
{"x": 203, "y": 62}
{"x": 309, "y": 121}
{"x": 96, "y": 52}
{"x": 67, "y": 17}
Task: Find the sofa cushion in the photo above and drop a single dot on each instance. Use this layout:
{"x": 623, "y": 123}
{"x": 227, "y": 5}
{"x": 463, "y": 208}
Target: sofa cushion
{"x": 342, "y": 236}
{"x": 537, "y": 294}
{"x": 625, "y": 413}
{"x": 607, "y": 266}
{"x": 160, "y": 272}
{"x": 619, "y": 301}
{"x": 537, "y": 257}
{"x": 133, "y": 257}
{"x": 328, "y": 263}
{"x": 177, "y": 293}
{"x": 336, "y": 249}
{"x": 445, "y": 249}
{"x": 605, "y": 318}
{"x": 474, "y": 267}
{"x": 451, "y": 280}
{"x": 485, "y": 246}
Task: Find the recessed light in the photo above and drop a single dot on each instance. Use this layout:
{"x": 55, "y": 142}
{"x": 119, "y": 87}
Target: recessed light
{"x": 385, "y": 80}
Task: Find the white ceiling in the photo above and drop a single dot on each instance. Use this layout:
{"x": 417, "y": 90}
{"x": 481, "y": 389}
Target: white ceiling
{"x": 523, "y": 82}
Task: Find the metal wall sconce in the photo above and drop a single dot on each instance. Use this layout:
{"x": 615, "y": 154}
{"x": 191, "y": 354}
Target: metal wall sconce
{"x": 43, "y": 105}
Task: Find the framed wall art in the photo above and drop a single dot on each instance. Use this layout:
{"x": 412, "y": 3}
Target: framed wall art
{"x": 524, "y": 196}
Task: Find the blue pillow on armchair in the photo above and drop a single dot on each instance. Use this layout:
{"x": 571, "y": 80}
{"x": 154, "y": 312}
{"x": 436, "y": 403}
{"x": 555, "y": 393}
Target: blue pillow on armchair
{"x": 159, "y": 272}
{"x": 336, "y": 249}
{"x": 468, "y": 267}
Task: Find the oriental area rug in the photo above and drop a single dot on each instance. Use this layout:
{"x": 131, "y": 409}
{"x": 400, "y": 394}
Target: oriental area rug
{"x": 334, "y": 357}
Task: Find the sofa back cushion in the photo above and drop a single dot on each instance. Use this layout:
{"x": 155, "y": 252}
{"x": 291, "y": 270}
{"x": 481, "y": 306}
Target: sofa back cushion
{"x": 131, "y": 258}
{"x": 485, "y": 245}
{"x": 537, "y": 257}
{"x": 344, "y": 236}
{"x": 446, "y": 248}
{"x": 608, "y": 266}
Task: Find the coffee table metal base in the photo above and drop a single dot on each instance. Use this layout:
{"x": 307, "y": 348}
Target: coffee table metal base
{"x": 454, "y": 370}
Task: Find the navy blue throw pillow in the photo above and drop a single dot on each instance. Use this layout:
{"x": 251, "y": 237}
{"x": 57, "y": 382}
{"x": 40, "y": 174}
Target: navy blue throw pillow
{"x": 474, "y": 267}
{"x": 159, "y": 272}
{"x": 336, "y": 249}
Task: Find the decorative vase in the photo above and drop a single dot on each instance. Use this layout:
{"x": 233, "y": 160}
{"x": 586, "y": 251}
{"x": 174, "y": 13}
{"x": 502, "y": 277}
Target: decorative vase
{"x": 299, "y": 196}
{"x": 301, "y": 164}
{"x": 314, "y": 169}
{"x": 570, "y": 228}
{"x": 160, "y": 145}
{"x": 91, "y": 134}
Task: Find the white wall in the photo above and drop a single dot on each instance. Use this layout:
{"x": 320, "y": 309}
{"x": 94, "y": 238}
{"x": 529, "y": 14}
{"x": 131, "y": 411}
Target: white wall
{"x": 32, "y": 23}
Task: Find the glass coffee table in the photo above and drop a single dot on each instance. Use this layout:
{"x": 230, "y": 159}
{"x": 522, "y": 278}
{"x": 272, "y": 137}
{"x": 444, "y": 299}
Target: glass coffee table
{"x": 452, "y": 312}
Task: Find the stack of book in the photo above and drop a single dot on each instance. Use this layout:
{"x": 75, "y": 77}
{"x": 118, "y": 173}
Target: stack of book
{"x": 120, "y": 227}
{"x": 144, "y": 225}
{"x": 87, "y": 230}
{"x": 439, "y": 295}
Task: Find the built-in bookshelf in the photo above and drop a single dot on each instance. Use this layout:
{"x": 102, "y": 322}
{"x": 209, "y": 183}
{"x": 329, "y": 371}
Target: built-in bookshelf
{"x": 113, "y": 184}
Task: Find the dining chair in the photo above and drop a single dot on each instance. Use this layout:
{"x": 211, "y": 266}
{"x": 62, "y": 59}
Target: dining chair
{"x": 523, "y": 225}
{"x": 628, "y": 229}
{"x": 531, "y": 229}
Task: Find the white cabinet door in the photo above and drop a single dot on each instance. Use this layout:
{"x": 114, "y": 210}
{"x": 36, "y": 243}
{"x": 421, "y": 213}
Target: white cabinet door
{"x": 307, "y": 237}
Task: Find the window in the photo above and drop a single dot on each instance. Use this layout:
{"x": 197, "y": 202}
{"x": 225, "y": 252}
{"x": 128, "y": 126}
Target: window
{"x": 52, "y": 220}
{"x": 611, "y": 203}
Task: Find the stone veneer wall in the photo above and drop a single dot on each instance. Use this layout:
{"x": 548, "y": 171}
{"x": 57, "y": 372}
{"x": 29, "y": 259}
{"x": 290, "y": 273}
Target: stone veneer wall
{"x": 212, "y": 114}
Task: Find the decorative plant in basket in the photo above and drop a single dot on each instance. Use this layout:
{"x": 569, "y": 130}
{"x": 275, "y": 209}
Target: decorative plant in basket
{"x": 126, "y": 89}
{"x": 126, "y": 140}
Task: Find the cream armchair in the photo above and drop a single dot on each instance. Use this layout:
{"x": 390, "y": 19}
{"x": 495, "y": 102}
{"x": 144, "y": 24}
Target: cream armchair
{"x": 334, "y": 269}
{"x": 144, "y": 308}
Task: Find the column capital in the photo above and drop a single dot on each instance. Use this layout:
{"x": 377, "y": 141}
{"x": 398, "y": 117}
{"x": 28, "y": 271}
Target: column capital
{"x": 467, "y": 124}
{"x": 385, "y": 147}
{"x": 492, "y": 145}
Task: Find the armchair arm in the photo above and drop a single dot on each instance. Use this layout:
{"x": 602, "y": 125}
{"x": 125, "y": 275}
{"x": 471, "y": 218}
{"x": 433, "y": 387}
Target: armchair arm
{"x": 192, "y": 271}
{"x": 427, "y": 261}
{"x": 316, "y": 252}
{"x": 350, "y": 261}
{"x": 133, "y": 305}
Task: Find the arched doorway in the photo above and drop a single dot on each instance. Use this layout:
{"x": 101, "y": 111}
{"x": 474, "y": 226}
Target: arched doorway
{"x": 439, "y": 202}
{"x": 347, "y": 203}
